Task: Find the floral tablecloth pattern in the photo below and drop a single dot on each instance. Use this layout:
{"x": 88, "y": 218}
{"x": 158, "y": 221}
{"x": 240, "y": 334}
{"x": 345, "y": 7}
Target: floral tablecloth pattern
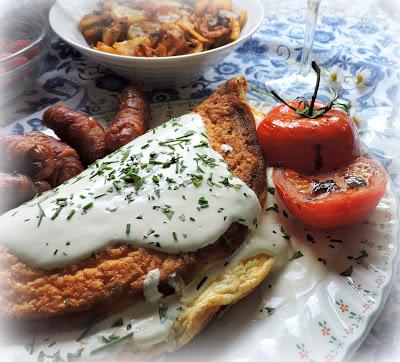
{"x": 361, "y": 55}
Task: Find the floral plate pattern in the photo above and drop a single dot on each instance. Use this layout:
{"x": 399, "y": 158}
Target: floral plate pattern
{"x": 339, "y": 310}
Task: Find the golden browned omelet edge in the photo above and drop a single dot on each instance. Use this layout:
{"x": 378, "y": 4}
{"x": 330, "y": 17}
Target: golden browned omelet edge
{"x": 199, "y": 309}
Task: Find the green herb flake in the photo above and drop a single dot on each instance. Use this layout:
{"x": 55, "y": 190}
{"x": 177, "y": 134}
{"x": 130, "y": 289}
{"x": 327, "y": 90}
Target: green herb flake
{"x": 118, "y": 323}
{"x": 203, "y": 202}
{"x": 87, "y": 206}
{"x": 273, "y": 208}
{"x": 75, "y": 356}
{"x": 227, "y": 241}
{"x": 162, "y": 312}
{"x": 296, "y": 255}
{"x": 128, "y": 228}
{"x": 71, "y": 214}
{"x": 41, "y": 214}
{"x": 285, "y": 235}
{"x": 88, "y": 328}
{"x": 347, "y": 272}
{"x": 117, "y": 185}
{"x": 31, "y": 346}
{"x": 202, "y": 281}
{"x": 168, "y": 212}
{"x": 111, "y": 342}
{"x": 58, "y": 211}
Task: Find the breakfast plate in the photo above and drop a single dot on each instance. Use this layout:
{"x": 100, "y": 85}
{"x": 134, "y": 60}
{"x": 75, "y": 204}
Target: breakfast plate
{"x": 321, "y": 301}
{"x": 327, "y": 289}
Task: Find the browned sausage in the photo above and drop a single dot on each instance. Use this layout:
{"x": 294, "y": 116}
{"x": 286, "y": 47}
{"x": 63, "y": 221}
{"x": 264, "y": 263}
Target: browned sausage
{"x": 79, "y": 131}
{"x": 67, "y": 162}
{"x": 131, "y": 120}
{"x": 24, "y": 155}
{"x": 15, "y": 189}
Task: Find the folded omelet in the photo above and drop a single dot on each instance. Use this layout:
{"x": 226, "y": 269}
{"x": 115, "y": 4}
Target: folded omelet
{"x": 152, "y": 254}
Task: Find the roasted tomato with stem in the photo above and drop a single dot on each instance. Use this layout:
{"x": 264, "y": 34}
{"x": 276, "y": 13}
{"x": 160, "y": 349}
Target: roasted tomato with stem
{"x": 309, "y": 136}
{"x": 332, "y": 199}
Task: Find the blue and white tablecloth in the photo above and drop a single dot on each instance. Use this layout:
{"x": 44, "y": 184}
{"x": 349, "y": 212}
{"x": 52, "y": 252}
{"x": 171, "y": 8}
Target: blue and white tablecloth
{"x": 348, "y": 47}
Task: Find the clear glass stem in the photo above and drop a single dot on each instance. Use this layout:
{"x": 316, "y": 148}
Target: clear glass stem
{"x": 312, "y": 17}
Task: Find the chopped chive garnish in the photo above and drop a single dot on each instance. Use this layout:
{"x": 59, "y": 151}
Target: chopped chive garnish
{"x": 118, "y": 323}
{"x": 117, "y": 185}
{"x": 203, "y": 202}
{"x": 285, "y": 235}
{"x": 110, "y": 343}
{"x": 202, "y": 281}
{"x": 87, "y": 206}
{"x": 126, "y": 155}
{"x": 168, "y": 212}
{"x": 273, "y": 208}
{"x": 57, "y": 213}
{"x": 347, "y": 272}
{"x": 296, "y": 255}
{"x": 128, "y": 228}
{"x": 227, "y": 241}
{"x": 162, "y": 312}
{"x": 41, "y": 214}
{"x": 71, "y": 213}
{"x": 33, "y": 343}
{"x": 84, "y": 333}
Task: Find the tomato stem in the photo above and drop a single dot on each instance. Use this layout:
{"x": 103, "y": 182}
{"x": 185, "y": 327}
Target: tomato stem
{"x": 276, "y": 96}
{"x": 306, "y": 109}
{"x": 317, "y": 70}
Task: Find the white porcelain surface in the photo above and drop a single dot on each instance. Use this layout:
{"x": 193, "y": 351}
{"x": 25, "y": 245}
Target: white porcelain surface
{"x": 161, "y": 72}
{"x": 318, "y": 314}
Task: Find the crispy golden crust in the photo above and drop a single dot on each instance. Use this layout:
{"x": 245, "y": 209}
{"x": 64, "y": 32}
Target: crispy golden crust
{"x": 229, "y": 120}
{"x": 31, "y": 293}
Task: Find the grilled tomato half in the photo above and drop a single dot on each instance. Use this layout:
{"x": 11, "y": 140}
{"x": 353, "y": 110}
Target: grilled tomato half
{"x": 335, "y": 198}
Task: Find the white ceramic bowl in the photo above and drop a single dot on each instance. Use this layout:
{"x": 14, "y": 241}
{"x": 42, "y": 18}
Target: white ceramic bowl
{"x": 164, "y": 71}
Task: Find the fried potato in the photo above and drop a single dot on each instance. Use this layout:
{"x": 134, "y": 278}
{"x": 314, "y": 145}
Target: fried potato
{"x": 235, "y": 29}
{"x": 163, "y": 27}
{"x": 105, "y": 48}
{"x": 125, "y": 13}
{"x": 242, "y": 18}
{"x": 133, "y": 46}
{"x": 185, "y": 24}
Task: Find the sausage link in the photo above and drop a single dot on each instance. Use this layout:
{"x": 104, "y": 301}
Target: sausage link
{"x": 15, "y": 189}
{"x": 131, "y": 120}
{"x": 82, "y": 133}
{"x": 67, "y": 162}
{"x": 24, "y": 155}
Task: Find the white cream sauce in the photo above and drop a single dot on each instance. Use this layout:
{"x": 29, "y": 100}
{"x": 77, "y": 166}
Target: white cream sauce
{"x": 226, "y": 148}
{"x": 277, "y": 234}
{"x": 138, "y": 328}
{"x": 150, "y": 286}
{"x": 167, "y": 190}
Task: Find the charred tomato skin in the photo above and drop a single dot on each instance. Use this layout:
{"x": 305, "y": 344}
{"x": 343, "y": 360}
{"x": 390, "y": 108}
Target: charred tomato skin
{"x": 308, "y": 145}
{"x": 332, "y": 199}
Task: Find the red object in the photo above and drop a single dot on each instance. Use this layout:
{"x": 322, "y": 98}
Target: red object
{"x": 333, "y": 199}
{"x": 308, "y": 145}
{"x": 15, "y": 62}
{"x": 17, "y": 45}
